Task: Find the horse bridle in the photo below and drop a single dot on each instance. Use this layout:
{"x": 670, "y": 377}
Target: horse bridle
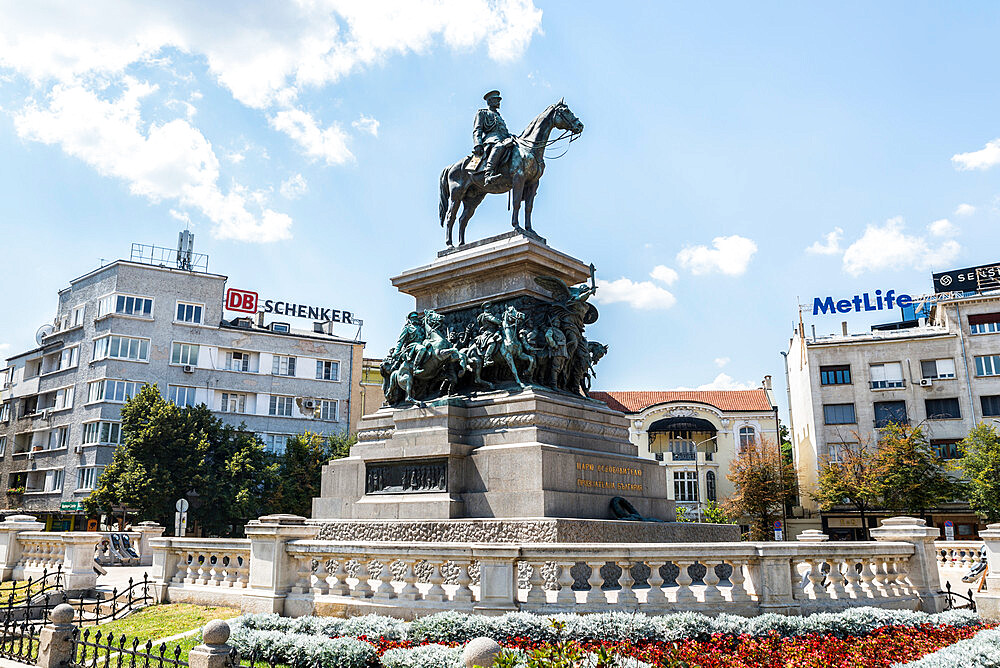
{"x": 532, "y": 145}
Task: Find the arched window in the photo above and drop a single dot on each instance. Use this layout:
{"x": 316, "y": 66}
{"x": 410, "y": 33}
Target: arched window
{"x": 747, "y": 437}
{"x": 710, "y": 486}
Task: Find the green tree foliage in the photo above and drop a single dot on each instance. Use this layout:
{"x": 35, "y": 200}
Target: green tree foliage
{"x": 853, "y": 479}
{"x": 171, "y": 452}
{"x": 300, "y": 468}
{"x": 980, "y": 463}
{"x": 764, "y": 484}
{"x": 912, "y": 476}
{"x": 716, "y": 514}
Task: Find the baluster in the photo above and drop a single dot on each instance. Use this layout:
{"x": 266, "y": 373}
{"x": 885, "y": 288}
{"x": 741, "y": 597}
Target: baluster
{"x": 385, "y": 590}
{"x": 594, "y": 595}
{"x": 655, "y": 597}
{"x": 852, "y": 578}
{"x": 363, "y": 589}
{"x": 203, "y": 568}
{"x": 436, "y": 592}
{"x": 320, "y": 584}
{"x": 892, "y": 576}
{"x": 464, "y": 591}
{"x": 181, "y": 568}
{"x": 564, "y": 581}
{"x": 303, "y": 574}
{"x": 902, "y": 574}
{"x": 882, "y": 577}
{"x": 339, "y": 586}
{"x": 229, "y": 563}
{"x": 738, "y": 592}
{"x": 190, "y": 574}
{"x": 814, "y": 589}
{"x": 836, "y": 587}
{"x": 684, "y": 592}
{"x": 536, "y": 586}
{"x": 867, "y": 578}
{"x": 216, "y": 577}
{"x": 626, "y": 595}
{"x": 711, "y": 579}
{"x": 409, "y": 592}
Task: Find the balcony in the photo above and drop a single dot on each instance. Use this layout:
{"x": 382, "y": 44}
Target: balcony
{"x": 887, "y": 384}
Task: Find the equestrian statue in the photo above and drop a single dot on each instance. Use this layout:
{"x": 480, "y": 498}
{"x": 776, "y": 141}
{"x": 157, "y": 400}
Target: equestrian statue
{"x": 501, "y": 162}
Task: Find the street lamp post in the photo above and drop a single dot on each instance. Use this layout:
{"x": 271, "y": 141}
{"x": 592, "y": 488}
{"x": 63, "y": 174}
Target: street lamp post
{"x": 697, "y": 473}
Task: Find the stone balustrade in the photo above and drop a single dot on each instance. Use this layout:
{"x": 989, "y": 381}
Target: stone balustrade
{"x": 201, "y": 570}
{"x": 959, "y": 554}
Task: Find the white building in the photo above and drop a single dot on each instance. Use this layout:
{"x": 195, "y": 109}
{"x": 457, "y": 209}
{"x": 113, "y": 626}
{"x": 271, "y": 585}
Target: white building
{"x": 942, "y": 372}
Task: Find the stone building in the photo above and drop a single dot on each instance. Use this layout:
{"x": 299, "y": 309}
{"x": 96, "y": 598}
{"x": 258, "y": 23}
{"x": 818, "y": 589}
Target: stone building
{"x": 696, "y": 434}
{"x": 129, "y": 323}
{"x": 941, "y": 372}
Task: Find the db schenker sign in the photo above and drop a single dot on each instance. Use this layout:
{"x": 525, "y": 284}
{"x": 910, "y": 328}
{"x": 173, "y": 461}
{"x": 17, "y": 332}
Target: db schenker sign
{"x": 246, "y": 301}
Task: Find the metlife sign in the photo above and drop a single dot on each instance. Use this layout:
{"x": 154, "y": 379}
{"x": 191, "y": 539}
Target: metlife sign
{"x": 246, "y": 301}
{"x": 967, "y": 280}
{"x": 863, "y": 302}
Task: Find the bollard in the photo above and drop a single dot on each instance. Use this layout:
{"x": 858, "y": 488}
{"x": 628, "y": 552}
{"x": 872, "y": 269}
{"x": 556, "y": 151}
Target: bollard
{"x": 55, "y": 642}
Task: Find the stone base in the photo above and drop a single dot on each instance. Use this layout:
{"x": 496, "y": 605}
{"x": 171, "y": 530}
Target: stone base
{"x": 528, "y": 454}
{"x": 531, "y": 530}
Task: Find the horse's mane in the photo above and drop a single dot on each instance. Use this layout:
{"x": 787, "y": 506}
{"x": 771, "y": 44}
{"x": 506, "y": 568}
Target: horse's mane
{"x": 532, "y": 126}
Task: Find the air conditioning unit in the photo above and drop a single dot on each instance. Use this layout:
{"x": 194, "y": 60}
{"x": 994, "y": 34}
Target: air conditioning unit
{"x": 78, "y": 449}
{"x": 926, "y": 382}
{"x": 31, "y": 455}
{"x": 309, "y": 404}
{"x": 188, "y": 368}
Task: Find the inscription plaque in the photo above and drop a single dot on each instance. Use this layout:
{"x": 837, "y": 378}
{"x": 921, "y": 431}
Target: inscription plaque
{"x": 406, "y": 477}
{"x": 617, "y": 478}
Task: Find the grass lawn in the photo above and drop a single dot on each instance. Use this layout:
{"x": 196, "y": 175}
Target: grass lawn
{"x": 160, "y": 621}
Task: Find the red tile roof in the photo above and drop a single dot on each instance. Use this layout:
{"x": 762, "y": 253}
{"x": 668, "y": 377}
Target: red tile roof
{"x": 724, "y": 400}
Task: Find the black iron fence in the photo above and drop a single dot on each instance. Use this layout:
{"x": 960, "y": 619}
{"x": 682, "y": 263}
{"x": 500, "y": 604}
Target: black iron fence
{"x": 20, "y": 626}
{"x": 136, "y": 595}
{"x": 955, "y": 601}
{"x": 94, "y": 649}
{"x": 33, "y": 588}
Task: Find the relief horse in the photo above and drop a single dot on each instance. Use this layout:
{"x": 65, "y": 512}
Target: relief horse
{"x": 521, "y": 173}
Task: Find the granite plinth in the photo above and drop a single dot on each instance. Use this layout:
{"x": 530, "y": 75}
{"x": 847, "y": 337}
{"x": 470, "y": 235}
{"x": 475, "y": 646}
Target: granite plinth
{"x": 528, "y": 530}
{"x": 527, "y": 454}
{"x": 496, "y": 269}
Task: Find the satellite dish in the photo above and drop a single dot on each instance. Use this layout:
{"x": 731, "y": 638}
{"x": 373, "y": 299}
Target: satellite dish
{"x": 42, "y": 332}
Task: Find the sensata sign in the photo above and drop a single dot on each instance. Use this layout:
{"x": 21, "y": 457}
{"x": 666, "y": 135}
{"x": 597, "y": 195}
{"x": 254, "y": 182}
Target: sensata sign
{"x": 862, "y": 302}
{"x": 246, "y": 301}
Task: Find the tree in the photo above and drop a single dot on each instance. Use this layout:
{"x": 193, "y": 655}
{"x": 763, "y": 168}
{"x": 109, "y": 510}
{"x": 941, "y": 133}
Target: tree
{"x": 851, "y": 479}
{"x": 764, "y": 484}
{"x": 913, "y": 478}
{"x": 300, "y": 468}
{"x": 170, "y": 452}
{"x": 980, "y": 463}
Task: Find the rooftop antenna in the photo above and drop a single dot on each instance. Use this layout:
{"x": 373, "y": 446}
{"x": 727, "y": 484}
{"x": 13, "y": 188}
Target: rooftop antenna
{"x": 185, "y": 248}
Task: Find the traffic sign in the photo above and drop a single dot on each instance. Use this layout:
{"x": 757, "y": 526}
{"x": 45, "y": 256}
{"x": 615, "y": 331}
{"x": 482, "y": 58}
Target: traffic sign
{"x": 181, "y": 505}
{"x": 949, "y": 530}
{"x": 779, "y": 533}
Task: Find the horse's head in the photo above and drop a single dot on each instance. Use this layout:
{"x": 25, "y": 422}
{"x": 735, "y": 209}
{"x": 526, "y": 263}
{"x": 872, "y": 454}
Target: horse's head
{"x": 565, "y": 119}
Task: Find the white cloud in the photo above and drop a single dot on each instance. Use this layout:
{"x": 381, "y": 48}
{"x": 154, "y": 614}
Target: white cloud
{"x": 329, "y": 144}
{"x": 664, "y": 274}
{"x": 729, "y": 255}
{"x": 830, "y": 244}
{"x": 366, "y": 124}
{"x": 169, "y": 162}
{"x": 294, "y": 187}
{"x": 235, "y": 157}
{"x": 965, "y": 210}
{"x": 984, "y": 158}
{"x": 4, "y": 349}
{"x": 724, "y": 382}
{"x": 889, "y": 247}
{"x": 721, "y": 361}
{"x": 642, "y": 295}
{"x": 943, "y": 228}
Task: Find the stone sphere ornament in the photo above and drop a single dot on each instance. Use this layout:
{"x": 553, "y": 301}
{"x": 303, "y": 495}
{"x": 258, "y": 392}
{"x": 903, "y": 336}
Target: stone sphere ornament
{"x": 62, "y": 614}
{"x": 216, "y": 632}
{"x": 480, "y": 652}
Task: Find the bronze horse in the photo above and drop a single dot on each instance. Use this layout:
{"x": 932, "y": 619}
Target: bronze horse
{"x": 521, "y": 172}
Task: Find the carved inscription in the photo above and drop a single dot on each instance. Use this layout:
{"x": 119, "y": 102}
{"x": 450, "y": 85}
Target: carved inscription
{"x": 606, "y": 476}
{"x": 406, "y": 477}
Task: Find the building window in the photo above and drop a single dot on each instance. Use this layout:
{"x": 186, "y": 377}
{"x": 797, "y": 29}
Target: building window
{"x": 988, "y": 365}
{"x": 889, "y": 412}
{"x": 125, "y": 305}
{"x": 234, "y": 403}
{"x": 329, "y": 410}
{"x": 984, "y": 323}
{"x": 946, "y": 448}
{"x": 935, "y": 369}
{"x": 113, "y": 391}
{"x": 189, "y": 312}
{"x": 88, "y": 476}
{"x": 839, "y": 374}
{"x": 887, "y": 375}
{"x": 121, "y": 348}
{"x": 710, "y": 493}
{"x": 747, "y": 437}
{"x": 283, "y": 327}
{"x": 991, "y": 405}
{"x": 283, "y": 366}
{"x": 658, "y": 456}
{"x": 77, "y": 318}
{"x": 53, "y": 481}
{"x": 181, "y": 395}
{"x": 3, "y": 445}
{"x": 184, "y": 353}
{"x": 327, "y": 370}
{"x": 5, "y": 412}
{"x": 838, "y": 414}
{"x": 943, "y": 409}
{"x": 238, "y": 361}
{"x": 685, "y": 486}
{"x": 280, "y": 406}
{"x": 104, "y": 433}
{"x": 275, "y": 443}
{"x": 58, "y": 438}
{"x": 681, "y": 445}
{"x": 68, "y": 358}
{"x": 831, "y": 452}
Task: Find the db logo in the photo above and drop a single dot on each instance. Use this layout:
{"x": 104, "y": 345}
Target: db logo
{"x": 241, "y": 300}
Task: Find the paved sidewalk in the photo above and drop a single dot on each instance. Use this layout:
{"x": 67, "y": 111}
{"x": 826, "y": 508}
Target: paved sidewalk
{"x": 118, "y": 576}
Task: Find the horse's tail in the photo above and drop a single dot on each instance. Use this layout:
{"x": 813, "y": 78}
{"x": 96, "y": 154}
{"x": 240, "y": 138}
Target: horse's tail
{"x": 443, "y": 205}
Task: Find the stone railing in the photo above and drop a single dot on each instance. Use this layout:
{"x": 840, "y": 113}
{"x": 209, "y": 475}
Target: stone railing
{"x": 201, "y": 570}
{"x": 959, "y": 554}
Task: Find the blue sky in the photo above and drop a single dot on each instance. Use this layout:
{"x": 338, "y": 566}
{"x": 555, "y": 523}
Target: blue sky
{"x": 737, "y": 158}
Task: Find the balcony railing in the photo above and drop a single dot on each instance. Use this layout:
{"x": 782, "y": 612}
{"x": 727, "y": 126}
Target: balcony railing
{"x": 888, "y": 384}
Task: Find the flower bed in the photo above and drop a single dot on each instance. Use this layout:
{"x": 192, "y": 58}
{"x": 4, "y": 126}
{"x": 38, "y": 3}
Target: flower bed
{"x": 859, "y": 638}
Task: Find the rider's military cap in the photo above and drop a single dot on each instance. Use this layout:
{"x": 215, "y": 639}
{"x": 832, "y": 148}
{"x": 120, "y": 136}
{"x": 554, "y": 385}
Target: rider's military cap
{"x": 492, "y": 93}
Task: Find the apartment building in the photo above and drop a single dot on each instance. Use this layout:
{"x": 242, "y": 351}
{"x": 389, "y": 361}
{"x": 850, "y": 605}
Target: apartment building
{"x": 134, "y": 322}
{"x": 941, "y": 371}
